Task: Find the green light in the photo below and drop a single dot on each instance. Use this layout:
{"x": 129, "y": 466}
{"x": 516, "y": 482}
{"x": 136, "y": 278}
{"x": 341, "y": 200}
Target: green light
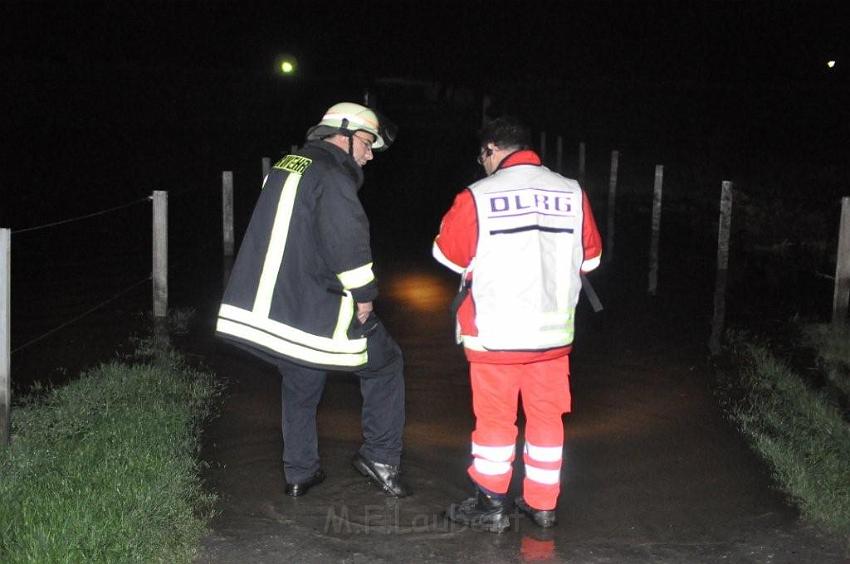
{"x": 286, "y": 65}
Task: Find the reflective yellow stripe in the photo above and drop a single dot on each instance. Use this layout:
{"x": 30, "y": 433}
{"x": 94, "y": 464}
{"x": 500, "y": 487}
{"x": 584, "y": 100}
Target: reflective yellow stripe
{"x": 282, "y": 331}
{"x": 293, "y": 350}
{"x": 545, "y": 339}
{"x": 357, "y": 277}
{"x": 277, "y": 244}
{"x": 295, "y": 164}
{"x": 346, "y": 314}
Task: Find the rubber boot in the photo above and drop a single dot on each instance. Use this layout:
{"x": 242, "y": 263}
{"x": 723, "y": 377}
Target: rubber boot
{"x": 484, "y": 511}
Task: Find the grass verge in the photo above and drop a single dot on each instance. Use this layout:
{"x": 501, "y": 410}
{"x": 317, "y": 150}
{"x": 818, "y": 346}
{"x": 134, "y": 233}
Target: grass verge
{"x": 796, "y": 423}
{"x": 105, "y": 469}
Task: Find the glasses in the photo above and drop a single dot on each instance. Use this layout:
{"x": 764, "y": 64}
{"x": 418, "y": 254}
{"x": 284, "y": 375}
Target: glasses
{"x": 485, "y": 152}
{"x": 367, "y": 144}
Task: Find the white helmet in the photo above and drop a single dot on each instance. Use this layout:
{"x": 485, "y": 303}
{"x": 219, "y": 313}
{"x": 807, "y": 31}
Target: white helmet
{"x": 347, "y": 117}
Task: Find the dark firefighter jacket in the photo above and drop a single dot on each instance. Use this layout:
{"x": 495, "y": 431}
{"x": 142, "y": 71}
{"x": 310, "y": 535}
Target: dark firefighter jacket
{"x": 303, "y": 264}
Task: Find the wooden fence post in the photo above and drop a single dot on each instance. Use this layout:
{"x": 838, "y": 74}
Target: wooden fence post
{"x": 656, "y": 229}
{"x": 612, "y": 205}
{"x": 160, "y": 253}
{"x": 267, "y": 166}
{"x": 559, "y": 155}
{"x": 543, "y": 147}
{"x": 227, "y": 211}
{"x": 842, "y": 267}
{"x": 581, "y": 157}
{"x": 5, "y": 336}
{"x": 723, "y": 233}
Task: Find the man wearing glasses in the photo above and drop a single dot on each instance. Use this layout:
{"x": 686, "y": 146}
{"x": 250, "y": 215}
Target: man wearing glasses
{"x": 519, "y": 238}
{"x": 301, "y": 290}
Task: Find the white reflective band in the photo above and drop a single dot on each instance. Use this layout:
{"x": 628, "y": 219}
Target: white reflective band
{"x": 356, "y": 277}
{"x": 542, "y": 476}
{"x": 279, "y": 330}
{"x": 472, "y": 343}
{"x": 288, "y": 348}
{"x": 442, "y": 259}
{"x": 544, "y": 340}
{"x": 543, "y": 454}
{"x": 277, "y": 244}
{"x": 590, "y": 264}
{"x": 494, "y": 453}
{"x": 490, "y": 468}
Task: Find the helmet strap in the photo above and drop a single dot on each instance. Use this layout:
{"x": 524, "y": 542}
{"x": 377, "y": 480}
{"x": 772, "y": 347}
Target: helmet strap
{"x": 343, "y": 129}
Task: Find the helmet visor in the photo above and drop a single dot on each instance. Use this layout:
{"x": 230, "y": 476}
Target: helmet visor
{"x": 387, "y": 131}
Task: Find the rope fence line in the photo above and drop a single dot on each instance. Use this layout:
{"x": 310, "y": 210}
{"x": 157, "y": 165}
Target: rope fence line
{"x": 82, "y": 315}
{"x": 81, "y": 217}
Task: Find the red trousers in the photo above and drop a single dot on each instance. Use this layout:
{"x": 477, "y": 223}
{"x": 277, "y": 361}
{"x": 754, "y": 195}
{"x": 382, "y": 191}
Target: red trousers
{"x": 545, "y": 390}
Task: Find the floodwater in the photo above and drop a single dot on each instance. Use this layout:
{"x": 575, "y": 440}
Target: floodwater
{"x": 652, "y": 471}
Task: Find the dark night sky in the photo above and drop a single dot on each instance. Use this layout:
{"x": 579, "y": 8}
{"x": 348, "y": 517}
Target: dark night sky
{"x": 471, "y": 40}
{"x": 88, "y": 84}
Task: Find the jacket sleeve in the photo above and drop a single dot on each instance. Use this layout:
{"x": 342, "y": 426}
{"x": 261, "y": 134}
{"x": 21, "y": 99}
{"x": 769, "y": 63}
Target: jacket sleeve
{"x": 343, "y": 234}
{"x": 454, "y": 246}
{"x": 591, "y": 240}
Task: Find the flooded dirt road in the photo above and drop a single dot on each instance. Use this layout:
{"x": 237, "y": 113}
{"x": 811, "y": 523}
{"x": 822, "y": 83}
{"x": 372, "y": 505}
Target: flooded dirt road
{"x": 652, "y": 471}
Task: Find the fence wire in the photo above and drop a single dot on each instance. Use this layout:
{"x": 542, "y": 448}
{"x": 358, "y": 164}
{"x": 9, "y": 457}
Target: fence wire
{"x": 82, "y": 315}
{"x": 81, "y": 217}
{"x": 103, "y": 303}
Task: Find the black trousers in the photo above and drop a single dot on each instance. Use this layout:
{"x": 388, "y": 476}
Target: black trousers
{"x": 382, "y": 416}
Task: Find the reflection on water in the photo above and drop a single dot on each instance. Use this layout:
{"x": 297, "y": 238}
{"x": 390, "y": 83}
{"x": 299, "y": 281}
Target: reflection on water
{"x": 538, "y": 546}
{"x": 420, "y": 291}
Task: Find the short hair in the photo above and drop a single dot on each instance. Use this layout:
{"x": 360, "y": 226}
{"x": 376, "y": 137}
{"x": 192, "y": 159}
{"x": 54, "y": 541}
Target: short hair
{"x": 505, "y": 132}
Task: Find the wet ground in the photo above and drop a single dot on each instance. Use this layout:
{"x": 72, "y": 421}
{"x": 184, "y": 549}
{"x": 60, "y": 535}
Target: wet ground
{"x": 652, "y": 470}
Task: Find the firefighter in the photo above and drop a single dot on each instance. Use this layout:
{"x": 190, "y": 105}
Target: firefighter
{"x": 520, "y": 239}
{"x": 301, "y": 290}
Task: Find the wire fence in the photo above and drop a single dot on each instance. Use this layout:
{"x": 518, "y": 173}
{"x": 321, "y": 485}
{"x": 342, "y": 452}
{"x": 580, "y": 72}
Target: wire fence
{"x": 81, "y": 260}
{"x": 80, "y": 218}
{"x": 65, "y": 223}
{"x": 627, "y": 195}
{"x": 783, "y": 241}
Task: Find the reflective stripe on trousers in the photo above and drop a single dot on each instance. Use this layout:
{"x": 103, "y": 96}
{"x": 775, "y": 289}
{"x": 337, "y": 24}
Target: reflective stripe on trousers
{"x": 546, "y": 397}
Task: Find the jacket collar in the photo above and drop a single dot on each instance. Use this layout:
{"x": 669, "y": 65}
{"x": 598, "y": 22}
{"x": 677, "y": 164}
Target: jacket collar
{"x": 342, "y": 158}
{"x": 521, "y": 157}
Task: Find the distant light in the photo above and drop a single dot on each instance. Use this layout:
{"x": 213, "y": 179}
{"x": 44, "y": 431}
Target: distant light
{"x": 287, "y": 65}
{"x": 831, "y": 63}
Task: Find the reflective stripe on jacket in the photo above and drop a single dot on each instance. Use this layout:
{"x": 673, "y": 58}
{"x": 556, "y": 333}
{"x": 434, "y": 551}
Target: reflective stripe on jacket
{"x": 521, "y": 237}
{"x": 304, "y": 262}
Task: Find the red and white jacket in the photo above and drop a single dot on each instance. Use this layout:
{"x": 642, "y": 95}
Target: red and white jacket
{"x": 520, "y": 239}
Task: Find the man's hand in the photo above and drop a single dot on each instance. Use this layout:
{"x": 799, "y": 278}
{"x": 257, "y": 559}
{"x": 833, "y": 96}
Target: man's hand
{"x": 363, "y": 311}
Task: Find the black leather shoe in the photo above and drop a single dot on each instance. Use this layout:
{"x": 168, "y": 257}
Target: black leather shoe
{"x": 484, "y": 512}
{"x": 543, "y": 518}
{"x": 385, "y": 476}
{"x": 301, "y": 488}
